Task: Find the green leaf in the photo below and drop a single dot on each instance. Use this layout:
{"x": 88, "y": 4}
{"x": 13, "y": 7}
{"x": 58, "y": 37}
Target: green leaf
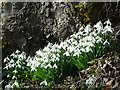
{"x": 78, "y": 63}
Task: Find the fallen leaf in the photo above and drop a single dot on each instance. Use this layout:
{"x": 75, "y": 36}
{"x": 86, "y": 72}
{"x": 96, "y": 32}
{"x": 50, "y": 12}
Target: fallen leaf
{"x": 109, "y": 83}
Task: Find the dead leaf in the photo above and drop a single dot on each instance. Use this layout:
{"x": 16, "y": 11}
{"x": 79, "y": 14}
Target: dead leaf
{"x": 107, "y": 87}
{"x": 109, "y": 83}
{"x": 116, "y": 85}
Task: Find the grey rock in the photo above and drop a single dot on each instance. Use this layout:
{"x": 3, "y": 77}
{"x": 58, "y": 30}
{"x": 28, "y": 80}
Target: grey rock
{"x": 26, "y": 28}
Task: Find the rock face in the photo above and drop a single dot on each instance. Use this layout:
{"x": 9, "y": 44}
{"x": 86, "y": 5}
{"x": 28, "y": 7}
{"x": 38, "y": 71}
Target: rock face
{"x": 35, "y": 24}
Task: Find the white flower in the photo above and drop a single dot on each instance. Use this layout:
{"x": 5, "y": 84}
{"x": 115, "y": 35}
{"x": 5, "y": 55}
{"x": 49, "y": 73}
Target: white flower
{"x": 49, "y": 65}
{"x": 108, "y": 28}
{"x": 87, "y": 28}
{"x": 80, "y": 33}
{"x": 75, "y": 43}
{"x": 106, "y": 42}
{"x": 11, "y": 61}
{"x": 98, "y": 39}
{"x": 84, "y": 44}
{"x": 66, "y": 53}
{"x": 6, "y": 67}
{"x": 49, "y": 45}
{"x": 45, "y": 59}
{"x": 69, "y": 41}
{"x": 83, "y": 50}
{"x": 90, "y": 44}
{"x": 17, "y": 51}
{"x": 64, "y": 45}
{"x": 8, "y": 86}
{"x": 108, "y": 22}
{"x": 57, "y": 59}
{"x": 33, "y": 64}
{"x": 14, "y": 55}
{"x": 71, "y": 49}
{"x": 99, "y": 24}
{"x": 6, "y": 59}
{"x": 46, "y": 49}
{"x": 81, "y": 28}
{"x": 11, "y": 65}
{"x": 14, "y": 77}
{"x": 18, "y": 66}
{"x": 39, "y": 53}
{"x": 76, "y": 53}
{"x": 99, "y": 27}
{"x": 93, "y": 34}
{"x": 18, "y": 62}
{"x": 16, "y": 84}
{"x": 8, "y": 75}
{"x": 33, "y": 68}
{"x": 15, "y": 71}
{"x": 44, "y": 83}
{"x": 88, "y": 49}
{"x": 61, "y": 45}
{"x": 55, "y": 66}
{"x": 28, "y": 64}
{"x": 21, "y": 57}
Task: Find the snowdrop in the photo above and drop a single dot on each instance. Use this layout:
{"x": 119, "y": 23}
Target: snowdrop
{"x": 8, "y": 86}
{"x": 77, "y": 52}
{"x": 82, "y": 50}
{"x": 14, "y": 84}
{"x": 88, "y": 49}
{"x": 12, "y": 61}
{"x": 108, "y": 29}
{"x": 17, "y": 51}
{"x": 98, "y": 39}
{"x": 75, "y": 43}
{"x": 108, "y": 23}
{"x": 44, "y": 83}
{"x": 15, "y": 71}
{"x": 14, "y": 77}
{"x": 106, "y": 42}
{"x": 71, "y": 49}
{"x": 14, "y": 55}
{"x": 6, "y": 67}
{"x": 33, "y": 68}
{"x": 8, "y": 75}
{"x": 61, "y": 45}
{"x": 48, "y": 66}
{"x": 98, "y": 27}
{"x": 67, "y": 53}
{"x": 33, "y": 63}
{"x": 88, "y": 28}
{"x": 6, "y": 59}
{"x": 54, "y": 58}
{"x": 55, "y": 66}
{"x": 19, "y": 66}
{"x": 65, "y": 46}
{"x": 90, "y": 44}
{"x": 39, "y": 53}
{"x": 21, "y": 56}
{"x": 46, "y": 49}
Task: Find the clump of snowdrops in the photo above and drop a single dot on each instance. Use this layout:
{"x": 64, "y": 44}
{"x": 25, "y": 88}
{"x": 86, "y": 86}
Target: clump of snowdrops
{"x": 56, "y": 61}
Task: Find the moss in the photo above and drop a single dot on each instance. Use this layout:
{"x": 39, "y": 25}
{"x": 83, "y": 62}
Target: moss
{"x": 87, "y": 12}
